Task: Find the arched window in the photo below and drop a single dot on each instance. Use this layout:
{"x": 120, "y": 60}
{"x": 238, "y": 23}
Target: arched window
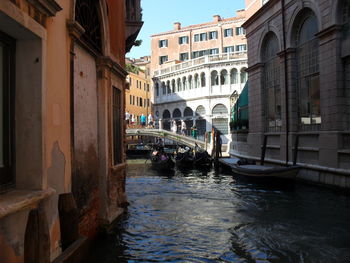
{"x": 166, "y": 114}
{"x": 188, "y": 112}
{"x": 86, "y": 14}
{"x": 234, "y": 76}
{"x": 163, "y": 88}
{"x": 224, "y": 77}
{"x": 168, "y": 87}
{"x": 176, "y": 113}
{"x": 173, "y": 86}
{"x": 214, "y": 78}
{"x": 196, "y": 81}
{"x": 346, "y": 18}
{"x": 307, "y": 45}
{"x": 203, "y": 80}
{"x": 219, "y": 109}
{"x": 184, "y": 83}
{"x": 244, "y": 75}
{"x": 179, "y": 84}
{"x": 200, "y": 111}
{"x": 190, "y": 81}
{"x": 271, "y": 82}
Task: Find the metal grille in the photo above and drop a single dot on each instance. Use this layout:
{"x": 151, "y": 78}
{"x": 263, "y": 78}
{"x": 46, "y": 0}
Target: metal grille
{"x": 220, "y": 109}
{"x": 200, "y": 111}
{"x": 86, "y": 15}
{"x": 221, "y": 124}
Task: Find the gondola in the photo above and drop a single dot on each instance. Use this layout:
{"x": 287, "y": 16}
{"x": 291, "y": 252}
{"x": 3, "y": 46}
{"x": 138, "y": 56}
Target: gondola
{"x": 202, "y": 159}
{"x": 161, "y": 160}
{"x": 184, "y": 159}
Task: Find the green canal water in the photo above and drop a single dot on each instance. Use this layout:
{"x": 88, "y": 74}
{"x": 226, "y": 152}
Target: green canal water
{"x": 203, "y": 216}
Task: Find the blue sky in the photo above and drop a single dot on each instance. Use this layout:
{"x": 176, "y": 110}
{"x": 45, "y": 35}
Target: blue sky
{"x": 159, "y": 16}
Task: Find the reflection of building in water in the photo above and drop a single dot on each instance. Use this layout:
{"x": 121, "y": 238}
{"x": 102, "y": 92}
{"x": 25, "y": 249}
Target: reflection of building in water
{"x": 198, "y": 91}
{"x": 195, "y": 70}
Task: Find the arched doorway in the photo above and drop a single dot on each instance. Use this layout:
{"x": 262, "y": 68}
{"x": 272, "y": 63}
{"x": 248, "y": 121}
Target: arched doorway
{"x": 201, "y": 123}
{"x": 220, "y": 118}
{"x": 166, "y": 120}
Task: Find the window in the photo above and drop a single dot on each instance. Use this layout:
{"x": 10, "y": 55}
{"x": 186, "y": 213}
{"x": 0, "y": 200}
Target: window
{"x": 224, "y": 77}
{"x": 228, "y": 32}
{"x": 7, "y": 50}
{"x": 241, "y": 48}
{"x": 163, "y": 59}
{"x": 163, "y": 88}
{"x": 173, "y": 86}
{"x": 213, "y": 35}
{"x": 234, "y": 76}
{"x": 196, "y": 38}
{"x": 229, "y": 49}
{"x": 133, "y": 100}
{"x": 168, "y": 87}
{"x": 347, "y": 90}
{"x": 163, "y": 43}
{"x": 202, "y": 79}
{"x": 130, "y": 100}
{"x": 346, "y": 18}
{"x": 244, "y": 75}
{"x": 271, "y": 83}
{"x": 213, "y": 51}
{"x": 147, "y": 87}
{"x": 203, "y": 37}
{"x": 196, "y": 81}
{"x": 183, "y": 56}
{"x": 183, "y": 40}
{"x": 117, "y": 125}
{"x": 184, "y": 83}
{"x": 144, "y": 86}
{"x": 178, "y": 84}
{"x": 137, "y": 101}
{"x": 214, "y": 78}
{"x": 240, "y": 31}
{"x": 140, "y": 102}
{"x": 190, "y": 82}
{"x": 148, "y": 103}
{"x": 308, "y": 72}
{"x": 157, "y": 89}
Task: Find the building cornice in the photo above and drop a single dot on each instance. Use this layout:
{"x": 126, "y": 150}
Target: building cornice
{"x": 75, "y": 29}
{"x": 255, "y": 67}
{"x": 194, "y": 99}
{"x": 329, "y": 31}
{"x": 259, "y": 13}
{"x": 47, "y": 7}
{"x": 114, "y": 67}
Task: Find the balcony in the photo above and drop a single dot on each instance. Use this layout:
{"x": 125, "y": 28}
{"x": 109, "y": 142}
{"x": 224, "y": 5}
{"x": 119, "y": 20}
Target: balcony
{"x": 202, "y": 60}
{"x": 133, "y": 22}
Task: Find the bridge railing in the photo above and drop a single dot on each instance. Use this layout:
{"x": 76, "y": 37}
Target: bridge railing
{"x": 186, "y": 140}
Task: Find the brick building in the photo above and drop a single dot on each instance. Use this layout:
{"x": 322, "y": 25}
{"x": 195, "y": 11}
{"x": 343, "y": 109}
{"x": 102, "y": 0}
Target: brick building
{"x": 138, "y": 91}
{"x": 299, "y": 57}
{"x": 62, "y": 163}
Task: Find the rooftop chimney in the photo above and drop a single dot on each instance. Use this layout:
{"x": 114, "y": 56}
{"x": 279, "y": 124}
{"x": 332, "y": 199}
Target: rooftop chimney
{"x": 177, "y": 26}
{"x": 217, "y": 18}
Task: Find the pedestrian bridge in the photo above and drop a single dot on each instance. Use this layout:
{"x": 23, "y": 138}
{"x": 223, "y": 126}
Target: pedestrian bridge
{"x": 185, "y": 140}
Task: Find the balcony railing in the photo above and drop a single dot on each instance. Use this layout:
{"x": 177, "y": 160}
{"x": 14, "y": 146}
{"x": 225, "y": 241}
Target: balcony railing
{"x": 202, "y": 60}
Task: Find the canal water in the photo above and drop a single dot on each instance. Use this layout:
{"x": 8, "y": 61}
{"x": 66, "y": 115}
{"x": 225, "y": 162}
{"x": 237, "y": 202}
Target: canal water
{"x": 202, "y": 216}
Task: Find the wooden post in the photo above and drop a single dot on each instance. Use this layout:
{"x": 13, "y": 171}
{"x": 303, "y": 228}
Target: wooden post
{"x": 69, "y": 219}
{"x": 37, "y": 238}
{"x": 263, "y": 150}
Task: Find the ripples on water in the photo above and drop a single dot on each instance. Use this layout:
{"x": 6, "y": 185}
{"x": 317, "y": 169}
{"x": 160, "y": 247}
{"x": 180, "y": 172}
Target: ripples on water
{"x": 198, "y": 216}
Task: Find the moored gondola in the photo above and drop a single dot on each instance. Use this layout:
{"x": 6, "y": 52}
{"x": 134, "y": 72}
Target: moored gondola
{"x": 161, "y": 160}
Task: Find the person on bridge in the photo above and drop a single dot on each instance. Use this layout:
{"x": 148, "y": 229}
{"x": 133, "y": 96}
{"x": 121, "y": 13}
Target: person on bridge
{"x": 173, "y": 126}
{"x": 143, "y": 120}
{"x": 127, "y": 117}
{"x": 194, "y": 131}
{"x": 150, "y": 121}
{"x": 183, "y": 128}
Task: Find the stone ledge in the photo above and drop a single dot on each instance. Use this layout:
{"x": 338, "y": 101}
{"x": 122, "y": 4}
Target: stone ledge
{"x": 17, "y": 200}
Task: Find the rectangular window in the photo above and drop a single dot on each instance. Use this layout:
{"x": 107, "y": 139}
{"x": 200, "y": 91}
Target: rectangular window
{"x": 196, "y": 38}
{"x": 7, "y": 53}
{"x": 183, "y": 56}
{"x": 140, "y": 102}
{"x": 240, "y": 31}
{"x": 228, "y": 32}
{"x": 147, "y": 87}
{"x": 117, "y": 125}
{"x": 133, "y": 100}
{"x": 213, "y": 51}
{"x": 229, "y": 49}
{"x": 183, "y": 40}
{"x": 163, "y": 43}
{"x": 241, "y": 48}
{"x": 144, "y": 86}
{"x": 213, "y": 35}
{"x": 147, "y": 102}
{"x": 163, "y": 59}
{"x": 130, "y": 100}
{"x": 203, "y": 37}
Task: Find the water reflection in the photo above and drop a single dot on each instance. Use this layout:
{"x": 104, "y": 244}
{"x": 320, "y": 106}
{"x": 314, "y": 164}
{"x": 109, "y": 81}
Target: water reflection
{"x": 200, "y": 216}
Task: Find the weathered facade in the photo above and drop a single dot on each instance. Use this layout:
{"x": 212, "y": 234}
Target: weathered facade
{"x": 62, "y": 99}
{"x": 298, "y": 58}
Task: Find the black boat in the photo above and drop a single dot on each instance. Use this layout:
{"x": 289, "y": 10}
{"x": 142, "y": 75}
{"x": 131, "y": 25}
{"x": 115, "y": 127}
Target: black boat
{"x": 161, "y": 160}
{"x": 202, "y": 159}
{"x": 184, "y": 159}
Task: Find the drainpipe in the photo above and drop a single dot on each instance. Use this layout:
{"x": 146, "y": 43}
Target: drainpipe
{"x": 285, "y": 79}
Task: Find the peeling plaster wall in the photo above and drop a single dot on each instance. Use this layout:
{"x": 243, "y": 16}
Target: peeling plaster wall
{"x": 85, "y": 178}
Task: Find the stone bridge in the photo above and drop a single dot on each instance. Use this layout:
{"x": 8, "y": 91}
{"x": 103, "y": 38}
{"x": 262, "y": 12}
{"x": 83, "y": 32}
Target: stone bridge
{"x": 185, "y": 140}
